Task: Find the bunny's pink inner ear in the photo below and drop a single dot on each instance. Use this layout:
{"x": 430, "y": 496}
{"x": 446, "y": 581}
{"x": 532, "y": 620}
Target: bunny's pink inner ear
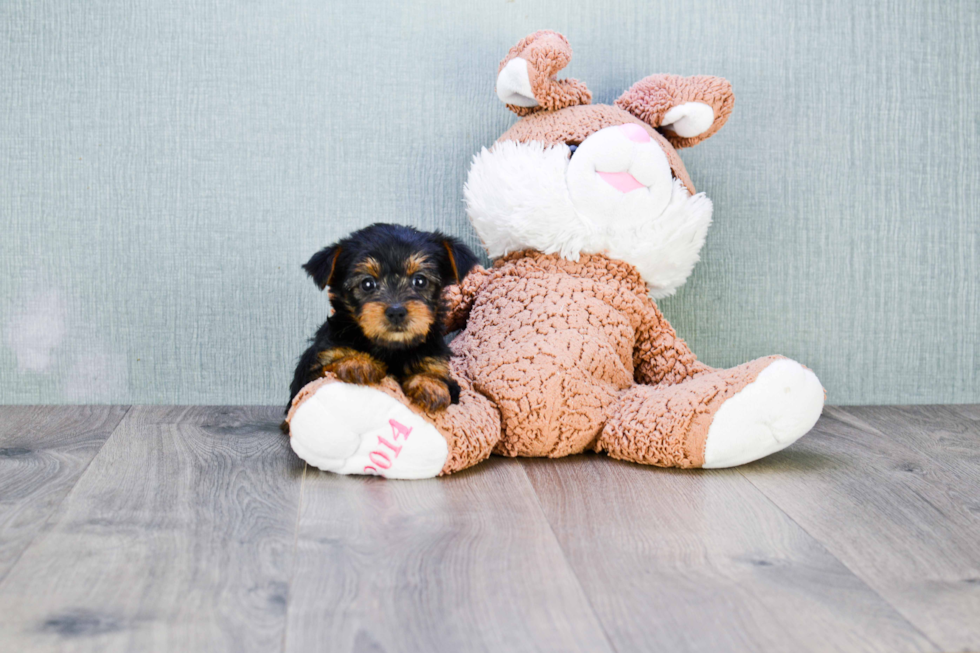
{"x": 686, "y": 110}
{"x": 526, "y": 77}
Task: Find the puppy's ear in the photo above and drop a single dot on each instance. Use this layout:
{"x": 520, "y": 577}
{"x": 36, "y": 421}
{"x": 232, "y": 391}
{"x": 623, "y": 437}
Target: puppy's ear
{"x": 323, "y": 266}
{"x": 458, "y": 262}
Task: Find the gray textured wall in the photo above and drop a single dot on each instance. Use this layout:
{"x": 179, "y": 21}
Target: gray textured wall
{"x": 167, "y": 166}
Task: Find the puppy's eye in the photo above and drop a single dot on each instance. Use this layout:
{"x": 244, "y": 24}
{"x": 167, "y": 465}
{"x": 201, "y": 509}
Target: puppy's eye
{"x": 368, "y": 285}
{"x": 418, "y": 281}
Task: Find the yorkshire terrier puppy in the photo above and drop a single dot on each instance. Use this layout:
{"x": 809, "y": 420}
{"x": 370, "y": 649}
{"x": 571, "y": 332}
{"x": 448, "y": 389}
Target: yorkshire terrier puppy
{"x": 385, "y": 287}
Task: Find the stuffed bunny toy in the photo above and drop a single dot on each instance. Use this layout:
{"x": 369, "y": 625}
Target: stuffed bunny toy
{"x": 589, "y": 215}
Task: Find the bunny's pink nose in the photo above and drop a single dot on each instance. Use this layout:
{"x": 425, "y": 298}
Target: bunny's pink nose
{"x": 635, "y": 133}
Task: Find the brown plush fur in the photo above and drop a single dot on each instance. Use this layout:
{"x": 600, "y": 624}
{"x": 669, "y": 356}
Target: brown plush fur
{"x": 565, "y": 115}
{"x": 571, "y": 356}
{"x": 652, "y": 97}
{"x": 575, "y": 124}
{"x": 547, "y": 53}
{"x": 589, "y": 334}
{"x": 560, "y": 356}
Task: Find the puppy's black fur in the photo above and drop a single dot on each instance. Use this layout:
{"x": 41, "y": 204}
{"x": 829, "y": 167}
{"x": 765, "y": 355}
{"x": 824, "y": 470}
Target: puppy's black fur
{"x": 385, "y": 287}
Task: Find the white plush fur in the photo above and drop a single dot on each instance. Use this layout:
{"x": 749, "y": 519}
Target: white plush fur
{"x": 689, "y": 119}
{"x": 340, "y": 425}
{"x": 769, "y": 414}
{"x": 514, "y": 84}
{"x": 528, "y": 196}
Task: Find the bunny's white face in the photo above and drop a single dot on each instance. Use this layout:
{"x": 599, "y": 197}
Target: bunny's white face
{"x": 613, "y": 195}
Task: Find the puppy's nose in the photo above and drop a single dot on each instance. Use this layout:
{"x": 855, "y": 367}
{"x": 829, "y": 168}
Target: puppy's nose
{"x": 396, "y": 313}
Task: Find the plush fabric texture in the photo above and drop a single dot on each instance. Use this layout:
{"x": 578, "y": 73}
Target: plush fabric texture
{"x": 652, "y": 97}
{"x": 575, "y": 124}
{"x": 689, "y": 119}
{"x": 646, "y": 427}
{"x": 784, "y": 401}
{"x": 556, "y": 344}
{"x": 471, "y": 428}
{"x": 560, "y": 356}
{"x": 369, "y": 432}
{"x": 518, "y": 196}
{"x": 561, "y": 347}
{"x": 546, "y": 53}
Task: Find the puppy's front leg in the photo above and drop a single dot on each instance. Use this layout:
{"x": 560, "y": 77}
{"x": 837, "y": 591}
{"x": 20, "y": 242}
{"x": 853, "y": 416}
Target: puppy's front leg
{"x": 428, "y": 383}
{"x": 352, "y": 366}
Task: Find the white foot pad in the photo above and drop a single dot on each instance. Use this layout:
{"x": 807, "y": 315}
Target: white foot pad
{"x": 769, "y": 414}
{"x": 351, "y": 429}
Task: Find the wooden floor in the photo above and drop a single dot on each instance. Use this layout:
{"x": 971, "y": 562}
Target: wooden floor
{"x": 196, "y": 529}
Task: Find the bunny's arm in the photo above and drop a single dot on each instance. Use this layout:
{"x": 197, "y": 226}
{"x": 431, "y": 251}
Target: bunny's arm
{"x": 459, "y": 298}
{"x": 660, "y": 356}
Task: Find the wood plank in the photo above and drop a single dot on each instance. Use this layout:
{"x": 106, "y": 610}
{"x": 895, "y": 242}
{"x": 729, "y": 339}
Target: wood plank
{"x": 969, "y": 411}
{"x": 889, "y": 506}
{"x": 950, "y": 435}
{"x": 684, "y": 560}
{"x": 43, "y": 452}
{"x": 463, "y": 563}
{"x": 178, "y": 537}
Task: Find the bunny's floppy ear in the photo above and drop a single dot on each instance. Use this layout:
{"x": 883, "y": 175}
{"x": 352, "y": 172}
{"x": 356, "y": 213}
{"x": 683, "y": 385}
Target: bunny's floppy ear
{"x": 526, "y": 78}
{"x": 686, "y": 110}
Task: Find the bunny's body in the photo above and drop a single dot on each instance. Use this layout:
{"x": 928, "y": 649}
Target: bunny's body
{"x": 589, "y": 212}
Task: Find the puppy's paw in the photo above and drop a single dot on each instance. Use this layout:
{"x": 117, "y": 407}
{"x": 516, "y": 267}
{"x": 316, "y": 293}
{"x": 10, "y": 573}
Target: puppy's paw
{"x": 351, "y": 366}
{"x": 361, "y": 370}
{"x": 429, "y": 392}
